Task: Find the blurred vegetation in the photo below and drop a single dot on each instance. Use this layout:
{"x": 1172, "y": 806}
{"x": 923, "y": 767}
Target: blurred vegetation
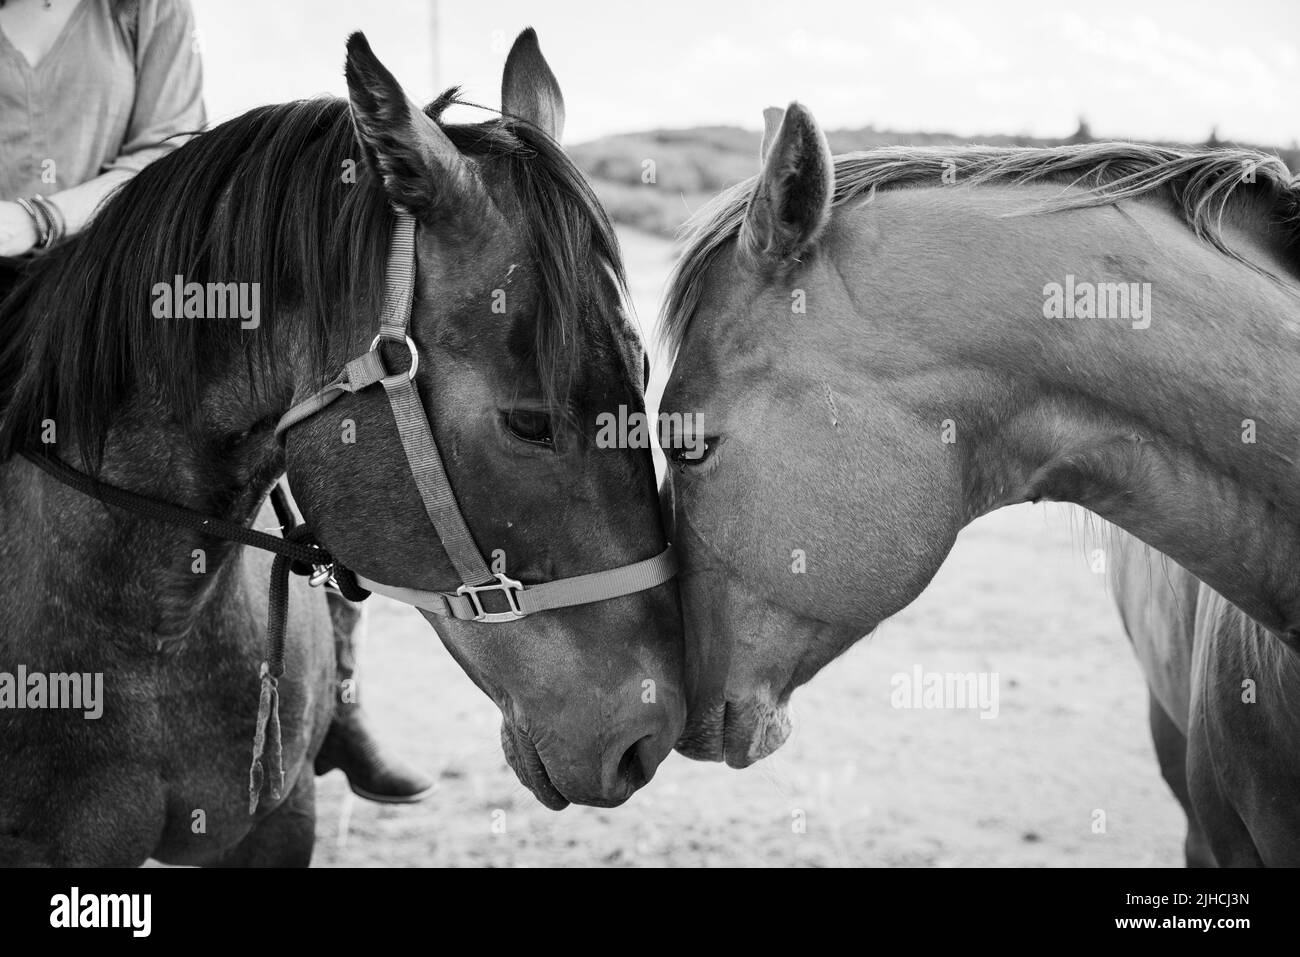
{"x": 692, "y": 166}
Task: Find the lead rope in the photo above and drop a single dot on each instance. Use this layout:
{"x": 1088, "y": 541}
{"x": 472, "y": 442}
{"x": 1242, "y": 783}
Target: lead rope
{"x": 267, "y": 728}
{"x": 268, "y": 746}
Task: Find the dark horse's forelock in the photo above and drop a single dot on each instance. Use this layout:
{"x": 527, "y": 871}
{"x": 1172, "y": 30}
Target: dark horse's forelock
{"x": 570, "y": 237}
{"x": 265, "y": 198}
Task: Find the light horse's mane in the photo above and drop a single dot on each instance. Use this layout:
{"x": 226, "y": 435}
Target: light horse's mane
{"x": 264, "y": 198}
{"x": 1200, "y": 183}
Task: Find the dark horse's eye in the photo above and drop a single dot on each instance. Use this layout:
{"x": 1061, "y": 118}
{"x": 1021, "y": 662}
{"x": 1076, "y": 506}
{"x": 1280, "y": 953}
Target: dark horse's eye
{"x": 532, "y": 427}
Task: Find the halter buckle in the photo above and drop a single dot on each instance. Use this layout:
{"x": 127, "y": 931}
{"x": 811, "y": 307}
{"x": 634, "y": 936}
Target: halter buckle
{"x": 507, "y": 586}
{"x": 410, "y": 344}
{"x": 323, "y": 574}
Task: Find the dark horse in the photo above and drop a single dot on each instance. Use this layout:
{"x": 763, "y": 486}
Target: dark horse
{"x": 523, "y": 340}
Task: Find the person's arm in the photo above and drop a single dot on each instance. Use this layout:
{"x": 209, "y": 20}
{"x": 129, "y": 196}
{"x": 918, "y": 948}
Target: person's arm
{"x": 168, "y": 104}
{"x": 168, "y": 87}
{"x": 79, "y": 203}
{"x": 17, "y": 231}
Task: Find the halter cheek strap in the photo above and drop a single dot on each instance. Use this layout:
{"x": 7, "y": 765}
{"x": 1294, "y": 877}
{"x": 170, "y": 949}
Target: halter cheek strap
{"x": 466, "y": 603}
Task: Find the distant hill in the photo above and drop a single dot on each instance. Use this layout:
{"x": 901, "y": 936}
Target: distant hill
{"x": 692, "y": 166}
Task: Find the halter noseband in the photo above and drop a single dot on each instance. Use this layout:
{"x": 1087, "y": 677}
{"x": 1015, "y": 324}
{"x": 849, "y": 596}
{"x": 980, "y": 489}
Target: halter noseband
{"x": 435, "y": 490}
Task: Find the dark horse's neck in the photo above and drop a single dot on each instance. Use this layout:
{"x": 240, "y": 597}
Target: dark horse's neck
{"x": 129, "y": 577}
{"x": 98, "y": 367}
{"x": 141, "y": 578}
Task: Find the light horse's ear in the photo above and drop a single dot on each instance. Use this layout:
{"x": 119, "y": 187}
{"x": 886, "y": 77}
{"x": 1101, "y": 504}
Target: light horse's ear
{"x": 791, "y": 203}
{"x": 772, "y": 117}
{"x": 529, "y": 89}
{"x": 422, "y": 171}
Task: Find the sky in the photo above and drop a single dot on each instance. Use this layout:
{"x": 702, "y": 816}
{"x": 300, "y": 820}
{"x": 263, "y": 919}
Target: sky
{"x": 1143, "y": 69}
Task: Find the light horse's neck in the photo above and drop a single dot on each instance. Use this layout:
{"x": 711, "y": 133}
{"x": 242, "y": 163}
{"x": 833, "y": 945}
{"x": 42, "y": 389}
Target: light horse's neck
{"x": 1181, "y": 425}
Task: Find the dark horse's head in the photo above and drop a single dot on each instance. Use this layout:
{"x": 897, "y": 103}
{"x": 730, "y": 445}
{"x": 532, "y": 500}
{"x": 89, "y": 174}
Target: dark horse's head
{"x": 522, "y": 339}
{"x": 523, "y": 342}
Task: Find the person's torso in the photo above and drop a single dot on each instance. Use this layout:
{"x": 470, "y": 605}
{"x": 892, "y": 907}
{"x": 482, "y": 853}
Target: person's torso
{"x": 63, "y": 119}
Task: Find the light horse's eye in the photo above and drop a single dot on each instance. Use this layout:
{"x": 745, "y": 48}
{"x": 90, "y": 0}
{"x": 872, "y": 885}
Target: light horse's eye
{"x": 534, "y": 427}
{"x": 683, "y": 458}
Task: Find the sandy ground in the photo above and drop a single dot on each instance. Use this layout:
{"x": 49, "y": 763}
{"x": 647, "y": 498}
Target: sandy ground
{"x": 872, "y": 784}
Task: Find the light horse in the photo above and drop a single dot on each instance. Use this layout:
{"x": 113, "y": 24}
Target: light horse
{"x": 879, "y": 351}
{"x": 302, "y": 200}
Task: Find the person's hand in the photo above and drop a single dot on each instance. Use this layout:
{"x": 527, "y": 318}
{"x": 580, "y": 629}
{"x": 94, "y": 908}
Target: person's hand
{"x": 17, "y": 231}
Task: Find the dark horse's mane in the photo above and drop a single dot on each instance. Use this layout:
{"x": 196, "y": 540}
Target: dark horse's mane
{"x": 1201, "y": 184}
{"x": 263, "y": 197}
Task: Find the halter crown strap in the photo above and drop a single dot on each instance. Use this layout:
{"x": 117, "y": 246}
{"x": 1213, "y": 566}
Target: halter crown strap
{"x": 435, "y": 489}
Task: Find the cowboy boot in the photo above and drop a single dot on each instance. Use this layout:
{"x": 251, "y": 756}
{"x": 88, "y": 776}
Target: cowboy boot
{"x": 374, "y": 772}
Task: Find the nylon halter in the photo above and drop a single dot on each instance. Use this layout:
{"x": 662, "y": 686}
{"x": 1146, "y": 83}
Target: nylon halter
{"x": 466, "y": 602}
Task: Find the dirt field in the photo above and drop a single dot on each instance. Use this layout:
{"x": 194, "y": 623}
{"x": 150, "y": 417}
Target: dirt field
{"x": 875, "y": 785}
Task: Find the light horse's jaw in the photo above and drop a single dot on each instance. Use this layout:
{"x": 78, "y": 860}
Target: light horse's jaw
{"x": 746, "y": 653}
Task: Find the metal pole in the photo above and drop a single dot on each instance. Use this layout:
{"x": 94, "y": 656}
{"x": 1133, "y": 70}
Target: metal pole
{"x": 435, "y": 36}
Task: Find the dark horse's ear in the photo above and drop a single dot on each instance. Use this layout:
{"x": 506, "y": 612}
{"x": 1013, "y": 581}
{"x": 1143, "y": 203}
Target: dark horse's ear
{"x": 529, "y": 89}
{"x": 422, "y": 171}
{"x": 792, "y": 200}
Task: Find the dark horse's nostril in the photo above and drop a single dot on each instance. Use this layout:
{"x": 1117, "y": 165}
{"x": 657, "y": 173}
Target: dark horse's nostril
{"x": 632, "y": 767}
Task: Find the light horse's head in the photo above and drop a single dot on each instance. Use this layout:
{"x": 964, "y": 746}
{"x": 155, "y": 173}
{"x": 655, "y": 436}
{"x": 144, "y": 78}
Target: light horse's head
{"x": 522, "y": 340}
{"x": 871, "y": 372}
{"x": 758, "y": 602}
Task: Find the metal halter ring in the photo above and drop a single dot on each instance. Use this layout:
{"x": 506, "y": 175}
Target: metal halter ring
{"x": 410, "y": 344}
